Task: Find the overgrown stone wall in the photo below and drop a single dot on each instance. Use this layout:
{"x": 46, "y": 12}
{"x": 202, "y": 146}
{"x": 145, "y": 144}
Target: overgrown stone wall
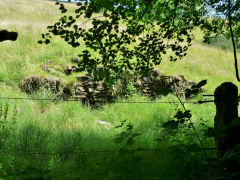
{"x": 34, "y": 83}
{"x": 86, "y": 89}
{"x": 92, "y": 91}
{"x": 156, "y": 84}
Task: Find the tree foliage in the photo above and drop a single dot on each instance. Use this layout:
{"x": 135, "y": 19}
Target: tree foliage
{"x": 135, "y": 35}
{"x": 224, "y": 20}
{"x": 128, "y": 35}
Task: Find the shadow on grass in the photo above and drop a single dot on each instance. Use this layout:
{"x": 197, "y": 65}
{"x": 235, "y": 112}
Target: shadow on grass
{"x": 66, "y": 160}
{"x": 34, "y": 151}
{"x": 219, "y": 42}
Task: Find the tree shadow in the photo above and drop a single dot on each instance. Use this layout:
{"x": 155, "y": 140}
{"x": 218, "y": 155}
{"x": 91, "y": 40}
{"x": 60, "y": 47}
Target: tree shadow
{"x": 219, "y": 42}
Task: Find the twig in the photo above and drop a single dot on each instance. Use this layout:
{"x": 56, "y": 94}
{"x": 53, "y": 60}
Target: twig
{"x": 191, "y": 123}
{"x": 233, "y": 41}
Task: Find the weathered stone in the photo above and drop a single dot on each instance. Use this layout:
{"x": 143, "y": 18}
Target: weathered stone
{"x": 97, "y": 92}
{"x": 67, "y": 93}
{"x": 84, "y": 78}
{"x": 78, "y": 92}
{"x": 156, "y": 84}
{"x": 92, "y": 84}
{"x": 91, "y": 90}
{"x": 68, "y": 70}
{"x": 80, "y": 88}
{"x": 79, "y": 96}
{"x": 52, "y": 71}
{"x": 76, "y": 60}
{"x": 146, "y": 79}
{"x": 53, "y": 84}
{"x": 144, "y": 91}
{"x": 100, "y": 88}
{"x": 138, "y": 83}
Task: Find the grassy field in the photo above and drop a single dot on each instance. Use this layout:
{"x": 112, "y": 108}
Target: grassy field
{"x": 65, "y": 127}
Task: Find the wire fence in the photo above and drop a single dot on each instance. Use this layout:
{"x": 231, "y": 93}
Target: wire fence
{"x": 123, "y": 102}
{"x": 101, "y": 151}
{"x": 104, "y": 151}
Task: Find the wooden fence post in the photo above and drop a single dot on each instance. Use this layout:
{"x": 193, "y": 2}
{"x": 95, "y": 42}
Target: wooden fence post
{"x": 226, "y": 101}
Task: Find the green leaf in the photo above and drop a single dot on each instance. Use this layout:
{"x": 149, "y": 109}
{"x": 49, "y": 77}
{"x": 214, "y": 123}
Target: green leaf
{"x": 63, "y": 19}
{"x": 47, "y": 41}
{"x": 200, "y": 84}
{"x": 129, "y": 127}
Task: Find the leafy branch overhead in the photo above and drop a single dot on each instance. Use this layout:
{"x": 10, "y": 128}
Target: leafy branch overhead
{"x": 128, "y": 35}
{"x": 224, "y": 18}
{"x": 135, "y": 34}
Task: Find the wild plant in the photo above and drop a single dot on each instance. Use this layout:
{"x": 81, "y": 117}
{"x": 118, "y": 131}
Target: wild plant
{"x": 7, "y": 122}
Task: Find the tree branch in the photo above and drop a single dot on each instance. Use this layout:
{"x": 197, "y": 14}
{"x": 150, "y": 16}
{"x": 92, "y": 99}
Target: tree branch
{"x": 233, "y": 40}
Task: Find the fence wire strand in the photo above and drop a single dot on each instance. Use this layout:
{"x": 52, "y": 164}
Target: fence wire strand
{"x": 126, "y": 102}
{"x": 99, "y": 151}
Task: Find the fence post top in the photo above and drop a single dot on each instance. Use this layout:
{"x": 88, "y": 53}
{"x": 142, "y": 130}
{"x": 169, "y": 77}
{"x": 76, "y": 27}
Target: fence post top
{"x": 226, "y": 89}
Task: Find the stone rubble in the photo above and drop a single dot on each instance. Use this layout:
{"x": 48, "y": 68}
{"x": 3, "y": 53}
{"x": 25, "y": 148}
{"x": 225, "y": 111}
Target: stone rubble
{"x": 155, "y": 84}
{"x": 92, "y": 91}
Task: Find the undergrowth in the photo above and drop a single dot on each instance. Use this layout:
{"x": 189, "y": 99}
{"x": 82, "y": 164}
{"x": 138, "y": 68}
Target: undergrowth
{"x": 128, "y": 148}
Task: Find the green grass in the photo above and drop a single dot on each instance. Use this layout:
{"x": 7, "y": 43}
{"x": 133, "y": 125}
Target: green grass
{"x": 45, "y": 126}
